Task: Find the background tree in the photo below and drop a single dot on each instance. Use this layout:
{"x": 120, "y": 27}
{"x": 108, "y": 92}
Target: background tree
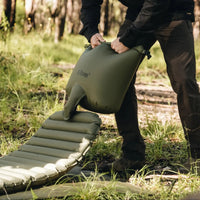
{"x": 113, "y": 13}
{"x": 73, "y": 16}
{"x": 46, "y": 15}
{"x": 8, "y": 10}
{"x": 1, "y": 9}
{"x": 55, "y": 16}
{"x": 60, "y": 19}
{"x": 196, "y": 25}
{"x": 30, "y": 10}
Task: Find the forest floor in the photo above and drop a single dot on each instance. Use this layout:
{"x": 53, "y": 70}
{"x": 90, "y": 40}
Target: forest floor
{"x": 157, "y": 100}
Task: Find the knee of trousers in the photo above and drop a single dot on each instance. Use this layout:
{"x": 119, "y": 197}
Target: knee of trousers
{"x": 185, "y": 85}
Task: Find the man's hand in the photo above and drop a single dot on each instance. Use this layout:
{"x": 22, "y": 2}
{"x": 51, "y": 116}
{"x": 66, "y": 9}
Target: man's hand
{"x": 118, "y": 46}
{"x": 96, "y": 40}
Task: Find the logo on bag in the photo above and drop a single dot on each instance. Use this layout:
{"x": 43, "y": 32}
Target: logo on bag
{"x": 82, "y": 73}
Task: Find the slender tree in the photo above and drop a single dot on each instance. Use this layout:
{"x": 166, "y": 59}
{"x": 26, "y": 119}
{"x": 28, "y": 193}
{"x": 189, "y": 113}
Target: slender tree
{"x": 1, "y": 9}
{"x": 196, "y": 25}
{"x": 9, "y": 9}
{"x": 30, "y": 11}
{"x": 73, "y": 16}
{"x": 58, "y": 13}
{"x": 12, "y": 13}
{"x": 112, "y": 17}
{"x": 106, "y": 17}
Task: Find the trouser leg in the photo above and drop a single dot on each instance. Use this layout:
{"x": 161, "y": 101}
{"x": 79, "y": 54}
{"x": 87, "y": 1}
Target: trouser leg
{"x": 133, "y": 146}
{"x": 177, "y": 44}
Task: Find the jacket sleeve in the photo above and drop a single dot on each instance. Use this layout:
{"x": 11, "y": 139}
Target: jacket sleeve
{"x": 151, "y": 15}
{"x": 90, "y": 17}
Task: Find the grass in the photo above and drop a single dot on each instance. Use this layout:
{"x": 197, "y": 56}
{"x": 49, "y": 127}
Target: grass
{"x": 32, "y": 82}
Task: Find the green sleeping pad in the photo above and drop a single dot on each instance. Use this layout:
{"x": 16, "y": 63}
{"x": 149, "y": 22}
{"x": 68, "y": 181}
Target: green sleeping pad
{"x": 101, "y": 78}
{"x": 53, "y": 150}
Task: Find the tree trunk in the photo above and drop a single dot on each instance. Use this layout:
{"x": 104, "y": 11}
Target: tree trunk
{"x": 60, "y": 22}
{"x": 196, "y": 25}
{"x": 30, "y": 9}
{"x": 106, "y": 17}
{"x": 9, "y": 8}
{"x": 73, "y": 16}
{"x": 1, "y": 10}
{"x": 12, "y": 14}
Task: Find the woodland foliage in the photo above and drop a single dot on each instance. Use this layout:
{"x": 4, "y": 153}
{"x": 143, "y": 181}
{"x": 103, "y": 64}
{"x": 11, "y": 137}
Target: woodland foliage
{"x": 64, "y": 15}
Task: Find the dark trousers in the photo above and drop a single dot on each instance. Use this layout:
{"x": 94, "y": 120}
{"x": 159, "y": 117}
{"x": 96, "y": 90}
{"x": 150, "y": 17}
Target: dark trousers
{"x": 176, "y": 41}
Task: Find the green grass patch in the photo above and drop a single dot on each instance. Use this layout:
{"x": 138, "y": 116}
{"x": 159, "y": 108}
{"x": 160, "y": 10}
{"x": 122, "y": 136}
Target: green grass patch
{"x": 165, "y": 143}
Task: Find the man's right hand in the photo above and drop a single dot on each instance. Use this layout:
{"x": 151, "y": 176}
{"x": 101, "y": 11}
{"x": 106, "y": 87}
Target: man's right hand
{"x": 96, "y": 40}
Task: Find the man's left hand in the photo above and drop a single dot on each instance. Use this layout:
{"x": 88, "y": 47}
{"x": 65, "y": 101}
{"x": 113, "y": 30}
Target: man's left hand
{"x": 118, "y": 46}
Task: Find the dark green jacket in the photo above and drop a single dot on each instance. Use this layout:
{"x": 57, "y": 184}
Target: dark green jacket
{"x": 146, "y": 15}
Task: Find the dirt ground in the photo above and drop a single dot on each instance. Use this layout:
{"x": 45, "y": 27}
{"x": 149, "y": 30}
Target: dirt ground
{"x": 156, "y": 101}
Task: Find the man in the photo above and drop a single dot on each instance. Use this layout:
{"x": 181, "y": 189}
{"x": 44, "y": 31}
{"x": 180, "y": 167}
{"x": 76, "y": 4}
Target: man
{"x": 147, "y": 21}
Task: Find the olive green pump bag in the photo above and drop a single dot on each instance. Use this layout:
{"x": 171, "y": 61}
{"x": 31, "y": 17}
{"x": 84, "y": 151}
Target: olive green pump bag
{"x": 98, "y": 83}
{"x": 101, "y": 78}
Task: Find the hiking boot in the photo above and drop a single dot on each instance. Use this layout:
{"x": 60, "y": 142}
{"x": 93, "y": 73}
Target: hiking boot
{"x": 191, "y": 165}
{"x": 121, "y": 165}
{"x": 124, "y": 164}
